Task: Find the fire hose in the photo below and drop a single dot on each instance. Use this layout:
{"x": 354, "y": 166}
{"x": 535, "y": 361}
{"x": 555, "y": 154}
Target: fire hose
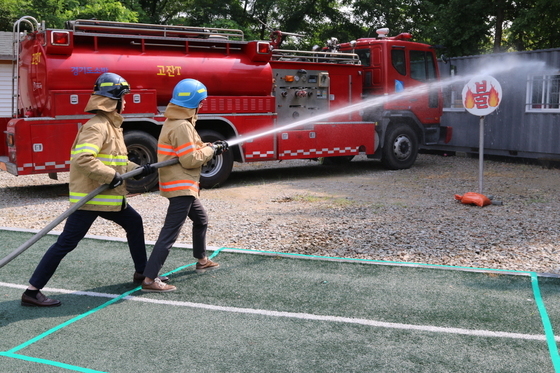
{"x": 76, "y": 206}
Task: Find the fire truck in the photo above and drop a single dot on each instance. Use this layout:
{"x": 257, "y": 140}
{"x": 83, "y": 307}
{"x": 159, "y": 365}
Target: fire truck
{"x": 254, "y": 87}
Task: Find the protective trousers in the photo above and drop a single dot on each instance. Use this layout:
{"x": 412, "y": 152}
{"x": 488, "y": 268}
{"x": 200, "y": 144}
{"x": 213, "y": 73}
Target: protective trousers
{"x": 77, "y": 226}
{"x": 177, "y": 212}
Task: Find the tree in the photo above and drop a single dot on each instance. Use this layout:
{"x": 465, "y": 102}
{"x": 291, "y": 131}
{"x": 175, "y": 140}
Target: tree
{"x": 462, "y": 28}
{"x": 109, "y": 10}
{"x": 397, "y": 15}
{"x": 317, "y": 21}
{"x": 56, "y": 12}
{"x": 9, "y": 13}
{"x": 536, "y": 26}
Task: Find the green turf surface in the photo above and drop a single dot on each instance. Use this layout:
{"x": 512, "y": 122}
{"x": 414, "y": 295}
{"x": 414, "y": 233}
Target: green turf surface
{"x": 256, "y": 316}
{"x": 146, "y": 337}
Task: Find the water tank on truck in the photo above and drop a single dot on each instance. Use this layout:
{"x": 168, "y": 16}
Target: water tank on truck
{"x": 58, "y": 68}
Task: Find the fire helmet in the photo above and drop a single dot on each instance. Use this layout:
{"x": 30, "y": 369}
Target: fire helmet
{"x": 111, "y": 85}
{"x": 189, "y": 93}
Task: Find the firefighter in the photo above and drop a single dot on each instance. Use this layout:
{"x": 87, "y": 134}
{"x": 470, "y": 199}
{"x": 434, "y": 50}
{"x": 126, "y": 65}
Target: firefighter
{"x": 180, "y": 182}
{"x": 98, "y": 156}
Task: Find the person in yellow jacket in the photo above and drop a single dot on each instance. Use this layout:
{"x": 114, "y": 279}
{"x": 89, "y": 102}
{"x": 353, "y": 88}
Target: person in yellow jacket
{"x": 180, "y": 182}
{"x": 98, "y": 156}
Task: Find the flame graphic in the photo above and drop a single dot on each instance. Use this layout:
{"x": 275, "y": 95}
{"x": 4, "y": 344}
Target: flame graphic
{"x": 494, "y": 98}
{"x": 469, "y": 99}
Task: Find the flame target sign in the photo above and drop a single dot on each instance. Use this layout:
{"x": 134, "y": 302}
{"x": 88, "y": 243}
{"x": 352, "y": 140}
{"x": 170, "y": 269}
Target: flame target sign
{"x": 482, "y": 95}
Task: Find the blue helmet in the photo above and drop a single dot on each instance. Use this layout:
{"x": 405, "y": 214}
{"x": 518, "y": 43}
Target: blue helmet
{"x": 189, "y": 93}
{"x": 111, "y": 85}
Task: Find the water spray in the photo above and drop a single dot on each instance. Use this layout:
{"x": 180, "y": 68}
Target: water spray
{"x": 413, "y": 92}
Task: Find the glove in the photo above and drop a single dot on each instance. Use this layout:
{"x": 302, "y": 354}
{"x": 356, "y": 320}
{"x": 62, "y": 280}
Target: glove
{"x": 117, "y": 180}
{"x": 147, "y": 169}
{"x": 220, "y": 147}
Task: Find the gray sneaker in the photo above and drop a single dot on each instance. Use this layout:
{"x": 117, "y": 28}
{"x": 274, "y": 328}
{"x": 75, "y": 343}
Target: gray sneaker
{"x": 157, "y": 287}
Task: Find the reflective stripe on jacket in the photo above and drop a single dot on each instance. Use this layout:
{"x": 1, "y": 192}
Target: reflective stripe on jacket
{"x": 98, "y": 151}
{"x": 100, "y": 199}
{"x": 178, "y": 138}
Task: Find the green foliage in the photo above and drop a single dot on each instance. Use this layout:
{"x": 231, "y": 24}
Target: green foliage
{"x": 56, "y": 12}
{"x": 9, "y": 13}
{"x": 104, "y": 10}
{"x": 536, "y": 26}
{"x": 461, "y": 28}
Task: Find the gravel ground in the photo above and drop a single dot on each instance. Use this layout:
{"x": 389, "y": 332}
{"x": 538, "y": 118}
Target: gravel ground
{"x": 358, "y": 210}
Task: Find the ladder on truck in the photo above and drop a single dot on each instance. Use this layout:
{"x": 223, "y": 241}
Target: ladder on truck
{"x": 145, "y": 35}
{"x": 315, "y": 56}
{"x": 83, "y": 26}
{"x": 16, "y": 40}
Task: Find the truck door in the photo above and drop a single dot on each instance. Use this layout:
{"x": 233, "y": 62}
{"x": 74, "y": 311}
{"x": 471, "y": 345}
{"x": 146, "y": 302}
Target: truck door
{"x": 423, "y": 70}
{"x": 409, "y": 69}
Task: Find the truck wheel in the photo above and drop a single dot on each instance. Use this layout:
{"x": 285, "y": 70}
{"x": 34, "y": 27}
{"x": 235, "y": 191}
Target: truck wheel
{"x": 400, "y": 149}
{"x": 142, "y": 149}
{"x": 218, "y": 169}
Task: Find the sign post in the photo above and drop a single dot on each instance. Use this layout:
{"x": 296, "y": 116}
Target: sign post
{"x": 481, "y": 96}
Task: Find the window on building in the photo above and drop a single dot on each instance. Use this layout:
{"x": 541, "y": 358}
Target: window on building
{"x": 543, "y": 93}
{"x": 452, "y": 90}
{"x": 453, "y": 96}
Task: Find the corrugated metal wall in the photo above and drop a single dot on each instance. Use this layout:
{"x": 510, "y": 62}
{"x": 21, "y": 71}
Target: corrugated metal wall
{"x": 510, "y": 130}
{"x": 5, "y": 74}
{"x": 5, "y": 88}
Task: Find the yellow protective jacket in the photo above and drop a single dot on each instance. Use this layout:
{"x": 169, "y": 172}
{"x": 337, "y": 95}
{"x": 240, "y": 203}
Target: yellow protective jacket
{"x": 178, "y": 138}
{"x": 97, "y": 153}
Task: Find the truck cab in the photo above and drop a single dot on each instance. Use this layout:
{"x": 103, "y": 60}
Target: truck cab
{"x": 406, "y": 74}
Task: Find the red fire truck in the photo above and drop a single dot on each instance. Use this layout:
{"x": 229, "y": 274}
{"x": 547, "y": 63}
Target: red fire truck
{"x": 253, "y": 86}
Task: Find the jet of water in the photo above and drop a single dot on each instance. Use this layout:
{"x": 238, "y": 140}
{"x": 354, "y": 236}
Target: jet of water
{"x": 489, "y": 69}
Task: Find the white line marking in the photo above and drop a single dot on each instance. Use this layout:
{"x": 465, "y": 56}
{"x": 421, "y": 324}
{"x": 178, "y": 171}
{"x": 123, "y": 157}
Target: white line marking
{"x": 302, "y": 316}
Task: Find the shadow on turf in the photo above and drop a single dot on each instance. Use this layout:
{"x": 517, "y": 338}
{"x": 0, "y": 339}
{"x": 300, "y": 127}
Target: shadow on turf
{"x": 72, "y": 304}
{"x": 12, "y": 311}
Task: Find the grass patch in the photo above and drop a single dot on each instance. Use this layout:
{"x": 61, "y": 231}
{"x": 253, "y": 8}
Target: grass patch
{"x": 328, "y": 200}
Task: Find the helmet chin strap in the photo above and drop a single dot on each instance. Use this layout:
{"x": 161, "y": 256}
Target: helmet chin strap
{"x": 119, "y": 107}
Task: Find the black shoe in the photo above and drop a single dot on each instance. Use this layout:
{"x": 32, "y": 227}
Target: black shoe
{"x": 40, "y": 301}
{"x": 138, "y": 278}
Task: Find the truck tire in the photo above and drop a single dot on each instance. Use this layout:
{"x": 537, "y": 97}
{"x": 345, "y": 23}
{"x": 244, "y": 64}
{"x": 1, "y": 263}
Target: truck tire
{"x": 218, "y": 169}
{"x": 142, "y": 149}
{"x": 401, "y": 148}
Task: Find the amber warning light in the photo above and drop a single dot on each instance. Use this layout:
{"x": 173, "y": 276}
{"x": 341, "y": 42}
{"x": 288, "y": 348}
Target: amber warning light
{"x": 60, "y": 38}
